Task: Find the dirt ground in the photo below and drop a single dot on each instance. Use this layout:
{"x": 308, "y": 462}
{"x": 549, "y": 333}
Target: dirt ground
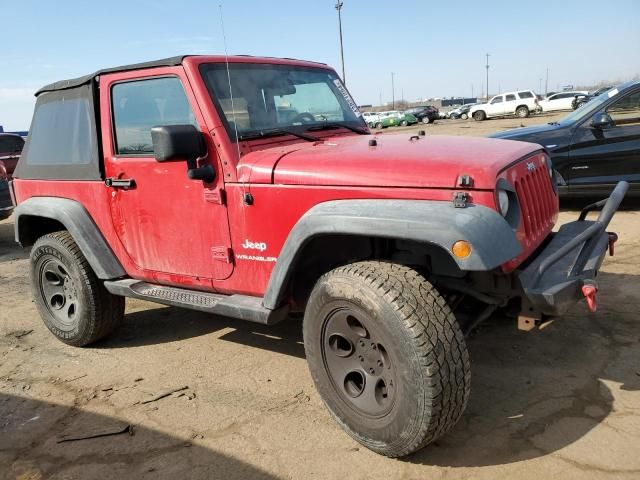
{"x": 559, "y": 402}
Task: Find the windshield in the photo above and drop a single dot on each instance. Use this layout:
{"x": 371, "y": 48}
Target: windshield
{"x": 588, "y": 108}
{"x": 276, "y": 98}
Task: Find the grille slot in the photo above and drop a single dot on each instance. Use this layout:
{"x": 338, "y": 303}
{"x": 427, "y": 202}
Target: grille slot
{"x": 537, "y": 201}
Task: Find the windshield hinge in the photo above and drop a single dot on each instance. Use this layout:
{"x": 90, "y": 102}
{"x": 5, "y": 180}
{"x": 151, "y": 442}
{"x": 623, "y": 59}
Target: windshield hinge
{"x": 460, "y": 199}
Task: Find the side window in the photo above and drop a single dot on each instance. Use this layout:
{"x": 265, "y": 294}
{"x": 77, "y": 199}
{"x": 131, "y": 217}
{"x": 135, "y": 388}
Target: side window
{"x": 140, "y": 105}
{"x": 626, "y": 111}
{"x": 496, "y": 100}
{"x": 11, "y": 144}
{"x": 511, "y": 98}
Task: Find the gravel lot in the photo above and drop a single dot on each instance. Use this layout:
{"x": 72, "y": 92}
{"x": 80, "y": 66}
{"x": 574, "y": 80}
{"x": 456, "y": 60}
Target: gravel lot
{"x": 562, "y": 401}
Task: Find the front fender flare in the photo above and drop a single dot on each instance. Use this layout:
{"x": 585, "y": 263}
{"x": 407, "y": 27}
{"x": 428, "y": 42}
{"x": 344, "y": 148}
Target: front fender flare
{"x": 493, "y": 240}
{"x": 79, "y": 224}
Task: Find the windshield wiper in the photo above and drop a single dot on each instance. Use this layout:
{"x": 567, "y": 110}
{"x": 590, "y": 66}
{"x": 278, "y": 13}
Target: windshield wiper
{"x": 327, "y": 126}
{"x": 277, "y": 131}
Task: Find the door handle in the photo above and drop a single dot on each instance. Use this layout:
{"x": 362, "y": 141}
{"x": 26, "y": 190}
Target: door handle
{"x": 120, "y": 182}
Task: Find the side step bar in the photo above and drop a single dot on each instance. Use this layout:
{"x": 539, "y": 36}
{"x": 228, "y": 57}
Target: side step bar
{"x": 242, "y": 307}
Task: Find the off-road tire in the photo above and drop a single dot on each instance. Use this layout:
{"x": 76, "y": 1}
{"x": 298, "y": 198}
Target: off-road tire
{"x": 522, "y": 112}
{"x": 479, "y": 116}
{"x": 58, "y": 266}
{"x": 424, "y": 345}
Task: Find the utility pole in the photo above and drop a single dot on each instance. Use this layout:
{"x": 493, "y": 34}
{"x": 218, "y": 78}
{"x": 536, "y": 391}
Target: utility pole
{"x": 540, "y": 85}
{"x": 546, "y": 83}
{"x": 472, "y": 90}
{"x": 487, "y": 65}
{"x": 380, "y": 99}
{"x": 339, "y": 5}
{"x": 393, "y": 93}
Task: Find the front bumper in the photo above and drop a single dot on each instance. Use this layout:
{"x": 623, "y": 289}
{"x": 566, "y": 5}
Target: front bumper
{"x": 554, "y": 280}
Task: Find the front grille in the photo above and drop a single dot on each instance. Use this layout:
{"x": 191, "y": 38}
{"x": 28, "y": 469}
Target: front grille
{"x": 537, "y": 202}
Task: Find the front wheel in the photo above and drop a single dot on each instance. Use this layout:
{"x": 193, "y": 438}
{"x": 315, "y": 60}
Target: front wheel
{"x": 72, "y": 302}
{"x": 464, "y": 116}
{"x": 404, "y": 123}
{"x": 379, "y": 126}
{"x": 479, "y": 116}
{"x": 386, "y": 355}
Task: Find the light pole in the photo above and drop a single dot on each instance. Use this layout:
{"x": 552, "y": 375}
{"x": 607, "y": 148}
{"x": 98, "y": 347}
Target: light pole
{"x": 339, "y": 5}
{"x": 393, "y": 93}
{"x": 546, "y": 83}
{"x": 487, "y": 65}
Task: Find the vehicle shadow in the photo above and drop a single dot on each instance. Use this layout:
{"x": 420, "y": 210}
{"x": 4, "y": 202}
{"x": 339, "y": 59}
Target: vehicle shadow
{"x": 169, "y": 324}
{"x": 9, "y": 249}
{"x": 31, "y": 430}
{"x": 534, "y": 393}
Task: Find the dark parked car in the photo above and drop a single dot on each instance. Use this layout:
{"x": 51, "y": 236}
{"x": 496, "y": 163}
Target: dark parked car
{"x": 10, "y": 149}
{"x": 461, "y": 112}
{"x": 424, "y": 113}
{"x": 580, "y": 100}
{"x": 595, "y": 146}
{"x": 6, "y": 205}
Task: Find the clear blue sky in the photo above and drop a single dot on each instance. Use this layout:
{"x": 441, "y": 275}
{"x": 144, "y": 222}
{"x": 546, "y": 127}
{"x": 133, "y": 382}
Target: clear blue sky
{"x": 434, "y": 47}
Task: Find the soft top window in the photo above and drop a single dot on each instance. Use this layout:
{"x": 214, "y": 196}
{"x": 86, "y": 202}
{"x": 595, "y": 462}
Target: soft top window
{"x": 62, "y": 141}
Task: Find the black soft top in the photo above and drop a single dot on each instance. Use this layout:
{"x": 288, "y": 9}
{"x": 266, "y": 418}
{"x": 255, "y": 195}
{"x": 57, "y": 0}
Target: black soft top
{"x": 76, "y": 82}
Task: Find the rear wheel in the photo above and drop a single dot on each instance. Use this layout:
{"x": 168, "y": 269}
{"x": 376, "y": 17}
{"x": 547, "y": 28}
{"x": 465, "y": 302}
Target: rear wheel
{"x": 72, "y": 302}
{"x": 379, "y": 126}
{"x": 522, "y": 112}
{"x": 386, "y": 355}
{"x": 404, "y": 123}
{"x": 479, "y": 116}
{"x": 464, "y": 116}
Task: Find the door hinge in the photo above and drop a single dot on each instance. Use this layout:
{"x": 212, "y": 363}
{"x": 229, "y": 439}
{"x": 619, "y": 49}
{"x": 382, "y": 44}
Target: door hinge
{"x": 460, "y": 199}
{"x": 215, "y": 196}
{"x": 221, "y": 254}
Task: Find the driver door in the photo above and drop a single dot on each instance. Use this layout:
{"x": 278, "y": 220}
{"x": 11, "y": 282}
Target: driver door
{"x": 496, "y": 106}
{"x": 600, "y": 157}
{"x": 173, "y": 228}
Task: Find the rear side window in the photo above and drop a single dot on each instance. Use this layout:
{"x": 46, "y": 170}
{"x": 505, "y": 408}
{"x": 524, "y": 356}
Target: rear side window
{"x": 511, "y": 97}
{"x": 62, "y": 142}
{"x": 525, "y": 94}
{"x": 141, "y": 105}
{"x": 60, "y": 133}
{"x": 11, "y": 144}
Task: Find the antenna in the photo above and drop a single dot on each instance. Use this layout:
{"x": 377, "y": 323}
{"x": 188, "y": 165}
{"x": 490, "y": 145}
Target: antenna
{"x": 226, "y": 57}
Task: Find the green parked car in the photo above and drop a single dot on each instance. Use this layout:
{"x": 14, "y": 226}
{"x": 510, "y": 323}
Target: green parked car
{"x": 394, "y": 119}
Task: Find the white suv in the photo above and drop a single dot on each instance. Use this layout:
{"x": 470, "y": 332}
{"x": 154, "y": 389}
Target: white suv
{"x": 520, "y": 103}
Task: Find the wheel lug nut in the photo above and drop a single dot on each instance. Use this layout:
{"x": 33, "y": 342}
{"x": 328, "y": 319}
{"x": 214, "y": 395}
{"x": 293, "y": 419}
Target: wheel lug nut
{"x": 380, "y": 363}
{"x": 374, "y": 346}
{"x": 361, "y": 358}
{"x": 372, "y": 371}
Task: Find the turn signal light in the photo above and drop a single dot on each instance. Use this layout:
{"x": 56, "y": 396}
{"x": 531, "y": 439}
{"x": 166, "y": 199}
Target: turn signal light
{"x": 461, "y": 249}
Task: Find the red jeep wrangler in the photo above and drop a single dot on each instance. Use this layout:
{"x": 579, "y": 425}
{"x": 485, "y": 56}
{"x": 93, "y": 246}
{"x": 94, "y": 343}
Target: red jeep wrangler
{"x": 252, "y": 188}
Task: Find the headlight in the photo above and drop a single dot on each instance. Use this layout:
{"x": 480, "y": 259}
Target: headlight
{"x": 503, "y": 202}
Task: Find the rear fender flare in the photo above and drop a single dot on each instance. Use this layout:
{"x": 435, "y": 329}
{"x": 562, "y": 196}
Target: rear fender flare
{"x": 77, "y": 221}
{"x": 440, "y": 223}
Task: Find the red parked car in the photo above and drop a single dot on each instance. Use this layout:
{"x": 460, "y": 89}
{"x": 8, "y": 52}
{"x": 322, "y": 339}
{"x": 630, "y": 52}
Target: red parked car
{"x": 252, "y": 188}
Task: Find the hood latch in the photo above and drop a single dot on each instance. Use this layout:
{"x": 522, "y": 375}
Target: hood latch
{"x": 460, "y": 199}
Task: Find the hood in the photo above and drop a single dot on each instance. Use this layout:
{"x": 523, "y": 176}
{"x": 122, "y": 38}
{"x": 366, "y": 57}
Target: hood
{"x": 528, "y": 132}
{"x": 396, "y": 161}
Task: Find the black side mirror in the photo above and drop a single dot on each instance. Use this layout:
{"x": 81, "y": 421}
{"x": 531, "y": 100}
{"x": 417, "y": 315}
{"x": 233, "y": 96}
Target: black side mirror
{"x": 601, "y": 121}
{"x": 182, "y": 142}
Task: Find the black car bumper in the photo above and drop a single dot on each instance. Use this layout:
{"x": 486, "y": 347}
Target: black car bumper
{"x": 565, "y": 270}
